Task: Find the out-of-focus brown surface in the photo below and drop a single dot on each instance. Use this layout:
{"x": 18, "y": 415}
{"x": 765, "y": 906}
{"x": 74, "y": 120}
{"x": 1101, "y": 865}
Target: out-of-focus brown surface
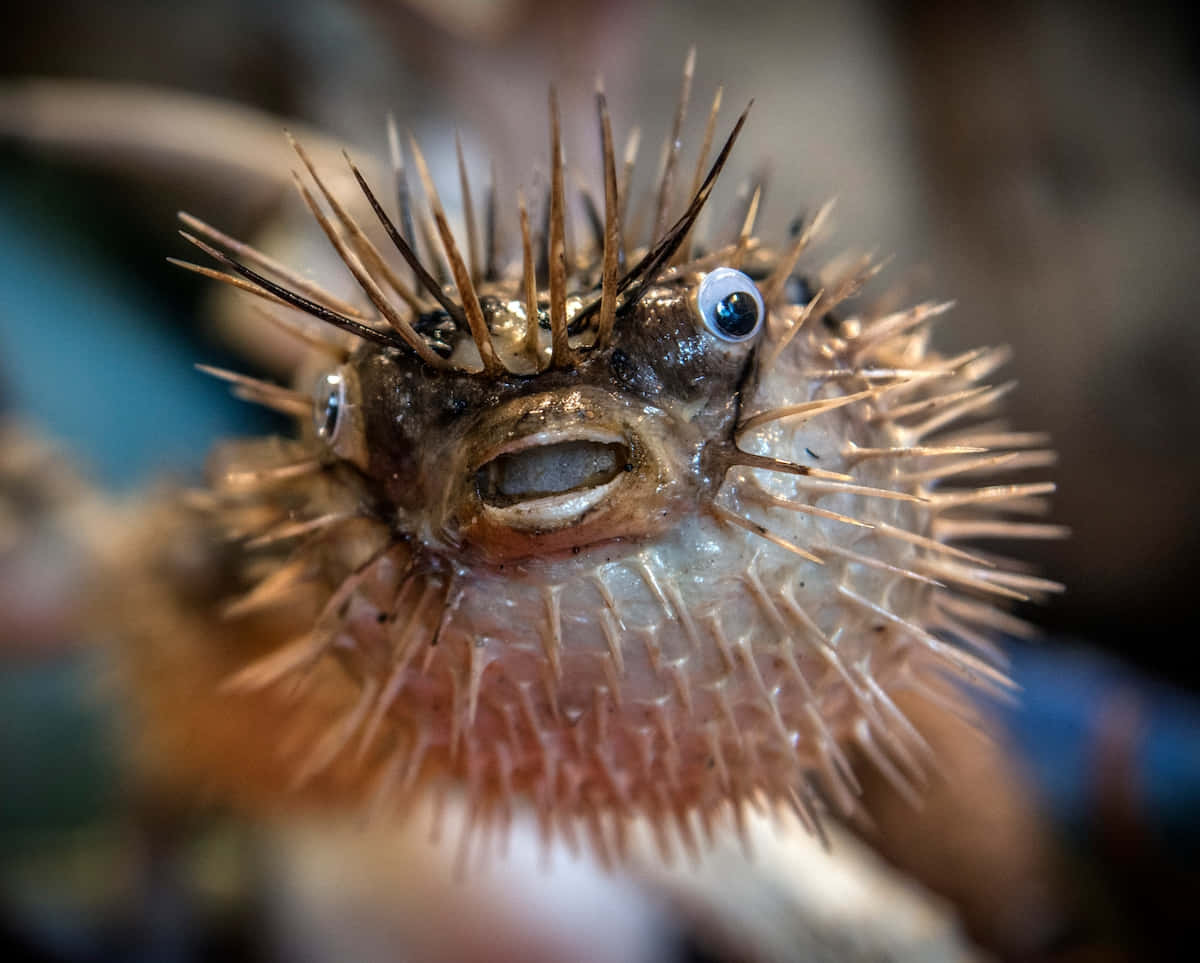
{"x": 978, "y": 838}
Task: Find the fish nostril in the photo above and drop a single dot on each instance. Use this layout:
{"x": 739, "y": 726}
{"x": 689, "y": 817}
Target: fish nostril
{"x": 549, "y": 470}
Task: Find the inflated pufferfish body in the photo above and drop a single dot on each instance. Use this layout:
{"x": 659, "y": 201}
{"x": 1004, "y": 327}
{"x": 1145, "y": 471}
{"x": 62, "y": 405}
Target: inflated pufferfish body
{"x": 646, "y": 531}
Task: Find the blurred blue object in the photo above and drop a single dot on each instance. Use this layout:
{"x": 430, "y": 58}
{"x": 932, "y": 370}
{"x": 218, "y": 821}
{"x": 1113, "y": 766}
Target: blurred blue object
{"x": 1076, "y": 707}
{"x": 90, "y": 357}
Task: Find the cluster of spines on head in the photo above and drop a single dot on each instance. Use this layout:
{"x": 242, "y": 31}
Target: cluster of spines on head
{"x": 445, "y": 278}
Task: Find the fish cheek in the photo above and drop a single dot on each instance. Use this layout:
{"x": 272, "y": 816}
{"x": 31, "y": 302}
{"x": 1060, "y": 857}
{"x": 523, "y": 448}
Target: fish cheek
{"x": 686, "y": 364}
{"x": 696, "y": 378}
{"x": 394, "y": 425}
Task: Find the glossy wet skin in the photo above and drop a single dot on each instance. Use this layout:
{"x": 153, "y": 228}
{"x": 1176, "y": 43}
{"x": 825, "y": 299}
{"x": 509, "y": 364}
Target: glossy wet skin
{"x": 612, "y": 447}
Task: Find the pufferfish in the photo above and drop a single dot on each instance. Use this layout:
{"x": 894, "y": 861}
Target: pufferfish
{"x": 640, "y": 531}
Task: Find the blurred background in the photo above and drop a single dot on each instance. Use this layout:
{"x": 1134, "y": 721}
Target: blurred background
{"x": 1037, "y": 162}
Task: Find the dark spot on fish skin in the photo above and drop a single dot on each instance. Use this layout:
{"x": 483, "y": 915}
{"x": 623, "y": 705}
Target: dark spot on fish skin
{"x": 439, "y": 329}
{"x": 623, "y": 367}
{"x": 431, "y": 321}
{"x": 797, "y": 290}
{"x": 492, "y": 308}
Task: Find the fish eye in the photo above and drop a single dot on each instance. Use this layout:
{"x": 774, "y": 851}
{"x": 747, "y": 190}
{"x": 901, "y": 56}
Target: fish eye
{"x": 730, "y": 305}
{"x": 329, "y": 405}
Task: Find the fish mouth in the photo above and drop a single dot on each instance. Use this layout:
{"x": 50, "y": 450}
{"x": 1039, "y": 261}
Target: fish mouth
{"x": 558, "y": 471}
{"x": 562, "y": 472}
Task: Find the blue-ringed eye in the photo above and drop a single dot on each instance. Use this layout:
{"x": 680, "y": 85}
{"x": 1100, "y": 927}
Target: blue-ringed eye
{"x": 329, "y": 403}
{"x": 730, "y": 305}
